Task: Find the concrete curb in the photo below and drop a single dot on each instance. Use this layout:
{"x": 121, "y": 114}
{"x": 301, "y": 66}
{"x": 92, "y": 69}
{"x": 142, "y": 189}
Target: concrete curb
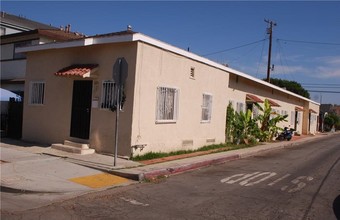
{"x": 155, "y": 174}
{"x": 161, "y": 170}
{"x": 172, "y": 170}
{"x": 8, "y": 189}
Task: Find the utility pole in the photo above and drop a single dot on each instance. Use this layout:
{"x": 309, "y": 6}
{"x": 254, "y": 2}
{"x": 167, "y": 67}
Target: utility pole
{"x": 270, "y": 32}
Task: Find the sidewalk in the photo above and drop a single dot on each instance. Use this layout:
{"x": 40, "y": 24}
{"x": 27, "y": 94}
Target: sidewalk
{"x": 31, "y": 168}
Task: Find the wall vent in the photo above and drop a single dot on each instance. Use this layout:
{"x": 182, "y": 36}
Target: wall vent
{"x": 186, "y": 143}
{"x": 192, "y": 73}
{"x": 210, "y": 140}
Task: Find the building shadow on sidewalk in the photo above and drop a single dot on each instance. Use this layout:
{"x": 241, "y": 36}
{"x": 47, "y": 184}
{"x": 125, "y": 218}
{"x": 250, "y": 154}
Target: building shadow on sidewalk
{"x": 7, "y": 142}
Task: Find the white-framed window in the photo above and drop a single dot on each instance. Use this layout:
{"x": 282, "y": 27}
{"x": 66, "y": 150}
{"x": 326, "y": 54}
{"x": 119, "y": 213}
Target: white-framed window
{"x": 284, "y": 112}
{"x": 299, "y": 118}
{"x": 167, "y": 104}
{"x": 313, "y": 118}
{"x": 274, "y": 113}
{"x": 292, "y": 118}
{"x": 37, "y": 92}
{"x": 239, "y": 107}
{"x": 206, "y": 108}
{"x": 2, "y": 31}
{"x": 108, "y": 99}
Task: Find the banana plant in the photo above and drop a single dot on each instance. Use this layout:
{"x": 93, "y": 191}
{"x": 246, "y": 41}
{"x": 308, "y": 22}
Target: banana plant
{"x": 245, "y": 127}
{"x": 269, "y": 126}
{"x": 229, "y": 129}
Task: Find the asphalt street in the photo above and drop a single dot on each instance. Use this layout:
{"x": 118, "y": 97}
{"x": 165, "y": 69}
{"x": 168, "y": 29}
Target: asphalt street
{"x": 300, "y": 182}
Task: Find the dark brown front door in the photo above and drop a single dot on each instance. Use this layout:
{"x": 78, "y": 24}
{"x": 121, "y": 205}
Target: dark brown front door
{"x": 81, "y": 109}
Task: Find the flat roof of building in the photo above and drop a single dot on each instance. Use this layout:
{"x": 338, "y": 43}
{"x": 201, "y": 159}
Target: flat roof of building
{"x": 131, "y": 36}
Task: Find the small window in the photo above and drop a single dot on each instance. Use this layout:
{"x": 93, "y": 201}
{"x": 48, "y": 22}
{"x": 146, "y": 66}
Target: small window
{"x": 274, "y": 113}
{"x": 37, "y": 92}
{"x": 284, "y": 112}
{"x": 108, "y": 99}
{"x": 239, "y": 107}
{"x": 21, "y": 44}
{"x": 192, "y": 73}
{"x": 2, "y": 31}
{"x": 206, "y": 108}
{"x": 167, "y": 104}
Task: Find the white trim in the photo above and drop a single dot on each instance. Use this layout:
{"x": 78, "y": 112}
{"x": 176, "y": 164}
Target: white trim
{"x": 90, "y": 73}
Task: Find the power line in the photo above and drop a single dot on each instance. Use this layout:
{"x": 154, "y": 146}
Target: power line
{"x": 321, "y": 84}
{"x": 309, "y": 42}
{"x": 330, "y": 87}
{"x": 285, "y": 62}
{"x": 221, "y": 51}
{"x": 323, "y": 91}
{"x": 259, "y": 62}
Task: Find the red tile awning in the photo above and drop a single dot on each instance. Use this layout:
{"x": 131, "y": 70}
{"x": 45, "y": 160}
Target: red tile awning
{"x": 273, "y": 104}
{"x": 299, "y": 109}
{"x": 312, "y": 111}
{"x": 82, "y": 70}
{"x": 253, "y": 98}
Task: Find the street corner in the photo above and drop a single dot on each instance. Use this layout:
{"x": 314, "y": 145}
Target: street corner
{"x": 102, "y": 180}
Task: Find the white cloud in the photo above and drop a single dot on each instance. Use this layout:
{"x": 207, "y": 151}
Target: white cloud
{"x": 289, "y": 69}
{"x": 327, "y": 67}
{"x": 328, "y": 72}
{"x": 331, "y": 60}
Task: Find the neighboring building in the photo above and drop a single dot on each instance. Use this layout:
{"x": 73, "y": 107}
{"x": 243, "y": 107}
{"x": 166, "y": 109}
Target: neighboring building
{"x": 12, "y": 24}
{"x": 18, "y": 32}
{"x": 329, "y": 108}
{"x": 326, "y": 108}
{"x": 13, "y": 64}
{"x": 336, "y": 109}
{"x": 174, "y": 98}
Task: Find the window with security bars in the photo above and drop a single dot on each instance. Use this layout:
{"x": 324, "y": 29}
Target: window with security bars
{"x": 108, "y": 99}
{"x": 206, "y": 108}
{"x": 167, "y": 104}
{"x": 37, "y": 92}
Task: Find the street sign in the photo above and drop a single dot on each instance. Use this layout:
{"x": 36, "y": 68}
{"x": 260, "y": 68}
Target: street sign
{"x": 120, "y": 71}
{"x": 119, "y": 75}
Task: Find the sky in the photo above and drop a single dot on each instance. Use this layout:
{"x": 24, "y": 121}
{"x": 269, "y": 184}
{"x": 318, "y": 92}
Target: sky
{"x": 305, "y": 47}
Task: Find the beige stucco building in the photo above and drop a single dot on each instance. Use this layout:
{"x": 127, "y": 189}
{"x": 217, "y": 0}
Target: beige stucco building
{"x": 174, "y": 98}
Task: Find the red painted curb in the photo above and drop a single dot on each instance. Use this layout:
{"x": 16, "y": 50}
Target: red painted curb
{"x": 151, "y": 175}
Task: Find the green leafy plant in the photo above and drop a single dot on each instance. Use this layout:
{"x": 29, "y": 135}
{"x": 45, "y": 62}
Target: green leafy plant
{"x": 216, "y": 147}
{"x": 230, "y": 118}
{"x": 331, "y": 120}
{"x": 269, "y": 122}
{"x": 245, "y": 127}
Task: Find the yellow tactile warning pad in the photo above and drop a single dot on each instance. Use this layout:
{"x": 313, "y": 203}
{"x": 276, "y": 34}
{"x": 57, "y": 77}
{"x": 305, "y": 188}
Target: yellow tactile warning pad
{"x": 100, "y": 180}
